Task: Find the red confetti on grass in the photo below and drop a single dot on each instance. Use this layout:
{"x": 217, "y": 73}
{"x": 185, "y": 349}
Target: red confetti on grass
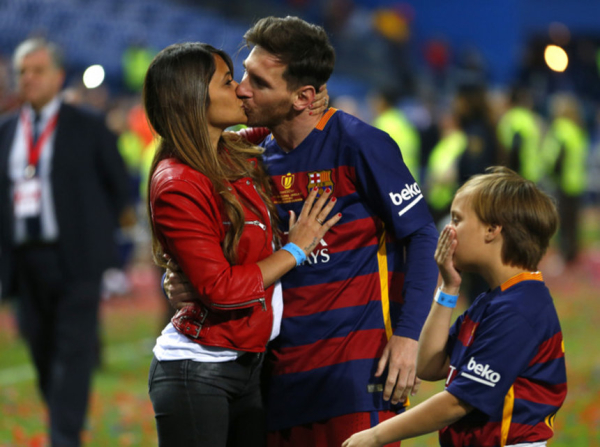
{"x": 38, "y": 440}
{"x": 19, "y": 436}
{"x": 591, "y": 414}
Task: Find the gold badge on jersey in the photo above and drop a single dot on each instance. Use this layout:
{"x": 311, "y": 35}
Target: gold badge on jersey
{"x": 320, "y": 179}
{"x": 287, "y": 180}
{"x": 286, "y": 193}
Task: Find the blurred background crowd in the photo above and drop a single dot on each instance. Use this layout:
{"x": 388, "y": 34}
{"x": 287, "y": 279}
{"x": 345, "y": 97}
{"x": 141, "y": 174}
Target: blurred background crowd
{"x": 459, "y": 85}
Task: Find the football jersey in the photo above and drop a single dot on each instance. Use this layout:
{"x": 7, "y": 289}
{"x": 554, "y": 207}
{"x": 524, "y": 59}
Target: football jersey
{"x": 347, "y": 299}
{"x": 507, "y": 361}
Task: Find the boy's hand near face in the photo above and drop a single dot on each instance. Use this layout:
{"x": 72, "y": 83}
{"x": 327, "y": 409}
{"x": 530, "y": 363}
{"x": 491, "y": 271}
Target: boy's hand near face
{"x": 444, "y": 254}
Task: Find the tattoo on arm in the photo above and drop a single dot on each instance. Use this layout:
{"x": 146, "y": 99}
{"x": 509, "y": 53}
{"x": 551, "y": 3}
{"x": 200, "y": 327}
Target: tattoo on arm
{"x": 312, "y": 245}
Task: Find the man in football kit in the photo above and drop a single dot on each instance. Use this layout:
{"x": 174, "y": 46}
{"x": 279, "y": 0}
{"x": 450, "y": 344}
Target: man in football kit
{"x": 503, "y": 359}
{"x": 346, "y": 354}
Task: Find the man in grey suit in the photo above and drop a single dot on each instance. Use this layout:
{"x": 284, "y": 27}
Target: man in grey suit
{"x": 63, "y": 186}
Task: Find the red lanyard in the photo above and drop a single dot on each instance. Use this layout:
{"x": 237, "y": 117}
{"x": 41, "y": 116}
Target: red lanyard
{"x": 34, "y": 151}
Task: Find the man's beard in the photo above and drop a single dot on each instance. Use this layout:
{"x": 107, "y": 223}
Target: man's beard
{"x": 269, "y": 116}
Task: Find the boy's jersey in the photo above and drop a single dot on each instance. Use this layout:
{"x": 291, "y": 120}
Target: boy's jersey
{"x": 343, "y": 304}
{"x": 507, "y": 361}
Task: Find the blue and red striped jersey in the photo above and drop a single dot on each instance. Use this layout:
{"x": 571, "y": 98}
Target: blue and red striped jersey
{"x": 507, "y": 361}
{"x": 356, "y": 289}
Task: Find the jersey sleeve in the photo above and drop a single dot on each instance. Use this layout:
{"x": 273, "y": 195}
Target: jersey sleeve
{"x": 420, "y": 279}
{"x": 504, "y": 345}
{"x": 387, "y": 185}
{"x": 389, "y": 189}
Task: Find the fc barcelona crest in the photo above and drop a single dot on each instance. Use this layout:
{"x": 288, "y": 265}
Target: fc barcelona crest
{"x": 287, "y": 180}
{"x": 320, "y": 179}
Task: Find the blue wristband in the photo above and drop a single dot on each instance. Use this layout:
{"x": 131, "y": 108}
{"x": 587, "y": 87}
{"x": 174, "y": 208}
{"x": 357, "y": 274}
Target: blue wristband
{"x": 296, "y": 252}
{"x": 445, "y": 299}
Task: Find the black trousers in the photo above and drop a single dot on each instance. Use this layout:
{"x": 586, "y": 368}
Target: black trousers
{"x": 569, "y": 209}
{"x": 58, "y": 319}
{"x": 202, "y": 404}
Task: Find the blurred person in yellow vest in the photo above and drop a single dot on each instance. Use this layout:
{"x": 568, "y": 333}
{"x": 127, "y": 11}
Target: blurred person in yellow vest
{"x": 131, "y": 148}
{"x": 135, "y": 61}
{"x": 145, "y": 163}
{"x": 442, "y": 168}
{"x": 565, "y": 152}
{"x": 467, "y": 147}
{"x": 132, "y": 143}
{"x": 519, "y": 133}
{"x": 473, "y": 112}
{"x": 390, "y": 119}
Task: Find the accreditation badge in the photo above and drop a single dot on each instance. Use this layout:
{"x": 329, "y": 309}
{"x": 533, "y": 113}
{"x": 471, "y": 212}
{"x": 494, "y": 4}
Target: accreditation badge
{"x": 28, "y": 197}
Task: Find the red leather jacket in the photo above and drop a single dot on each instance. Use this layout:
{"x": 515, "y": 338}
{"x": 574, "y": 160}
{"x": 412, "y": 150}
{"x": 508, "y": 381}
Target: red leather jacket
{"x": 190, "y": 223}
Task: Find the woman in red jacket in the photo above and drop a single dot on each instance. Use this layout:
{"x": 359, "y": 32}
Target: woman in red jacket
{"x": 210, "y": 211}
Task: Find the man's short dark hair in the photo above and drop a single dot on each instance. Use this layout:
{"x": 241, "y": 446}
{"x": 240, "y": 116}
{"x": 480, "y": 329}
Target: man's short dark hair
{"x": 303, "y": 47}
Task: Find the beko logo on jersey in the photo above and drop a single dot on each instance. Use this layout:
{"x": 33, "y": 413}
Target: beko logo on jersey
{"x": 407, "y": 194}
{"x": 484, "y": 374}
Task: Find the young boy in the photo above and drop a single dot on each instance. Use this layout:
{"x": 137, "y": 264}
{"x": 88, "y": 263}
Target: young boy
{"x": 503, "y": 359}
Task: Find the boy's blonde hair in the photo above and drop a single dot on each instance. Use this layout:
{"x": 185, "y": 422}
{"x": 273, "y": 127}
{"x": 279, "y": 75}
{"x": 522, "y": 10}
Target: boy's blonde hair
{"x": 527, "y": 215}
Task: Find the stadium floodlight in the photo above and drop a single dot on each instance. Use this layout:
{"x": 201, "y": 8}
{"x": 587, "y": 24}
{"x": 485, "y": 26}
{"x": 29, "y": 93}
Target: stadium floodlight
{"x": 556, "y": 58}
{"x": 93, "y": 76}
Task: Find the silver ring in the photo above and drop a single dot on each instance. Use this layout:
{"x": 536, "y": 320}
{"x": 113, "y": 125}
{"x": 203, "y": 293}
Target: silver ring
{"x": 320, "y": 221}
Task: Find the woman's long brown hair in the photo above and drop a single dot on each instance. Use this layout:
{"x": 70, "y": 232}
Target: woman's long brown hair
{"x": 176, "y": 99}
